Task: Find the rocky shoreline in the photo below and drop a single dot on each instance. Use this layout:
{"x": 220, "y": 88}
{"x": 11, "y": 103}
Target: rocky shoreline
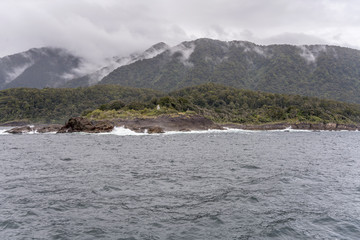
{"x": 165, "y": 123}
{"x": 159, "y": 124}
{"x": 297, "y": 126}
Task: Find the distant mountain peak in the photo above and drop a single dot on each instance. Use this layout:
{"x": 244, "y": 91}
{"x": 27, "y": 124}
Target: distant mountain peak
{"x": 117, "y": 62}
{"x": 37, "y": 67}
{"x": 312, "y": 70}
{"x": 154, "y": 50}
{"x": 158, "y": 46}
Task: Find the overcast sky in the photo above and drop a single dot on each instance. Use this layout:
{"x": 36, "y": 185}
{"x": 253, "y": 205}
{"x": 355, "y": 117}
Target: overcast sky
{"x": 101, "y": 28}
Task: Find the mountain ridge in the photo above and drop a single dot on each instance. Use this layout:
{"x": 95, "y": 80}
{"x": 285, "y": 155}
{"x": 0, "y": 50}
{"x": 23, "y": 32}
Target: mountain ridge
{"x": 314, "y": 70}
{"x": 95, "y": 77}
{"x": 324, "y": 71}
{"x": 38, "y": 68}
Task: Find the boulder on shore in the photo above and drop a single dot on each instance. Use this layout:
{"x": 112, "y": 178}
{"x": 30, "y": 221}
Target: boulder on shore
{"x": 80, "y": 124}
{"x": 155, "y": 129}
{"x": 20, "y": 130}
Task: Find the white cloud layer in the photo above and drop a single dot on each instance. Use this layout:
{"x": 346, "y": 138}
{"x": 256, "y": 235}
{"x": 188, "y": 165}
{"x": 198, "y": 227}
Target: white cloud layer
{"x": 97, "y": 29}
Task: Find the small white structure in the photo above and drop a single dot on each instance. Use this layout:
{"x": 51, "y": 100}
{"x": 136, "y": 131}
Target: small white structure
{"x": 158, "y": 107}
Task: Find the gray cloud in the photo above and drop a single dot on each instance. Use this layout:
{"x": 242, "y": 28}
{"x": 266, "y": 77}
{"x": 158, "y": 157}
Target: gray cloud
{"x": 97, "y": 29}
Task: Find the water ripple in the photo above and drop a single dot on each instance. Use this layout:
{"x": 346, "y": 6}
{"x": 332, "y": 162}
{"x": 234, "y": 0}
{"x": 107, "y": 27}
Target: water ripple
{"x": 258, "y": 185}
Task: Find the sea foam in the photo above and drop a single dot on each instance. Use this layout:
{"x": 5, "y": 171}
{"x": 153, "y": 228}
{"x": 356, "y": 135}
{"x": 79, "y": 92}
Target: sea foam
{"x": 122, "y": 131}
{"x": 290, "y": 129}
{"x": 226, "y": 130}
{"x": 3, "y": 131}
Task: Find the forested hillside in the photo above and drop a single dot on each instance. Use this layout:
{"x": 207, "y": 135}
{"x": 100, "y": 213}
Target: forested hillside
{"x": 38, "y": 68}
{"x": 226, "y": 104}
{"x": 217, "y": 102}
{"x": 328, "y": 72}
{"x": 51, "y": 105}
{"x": 317, "y": 70}
{"x": 229, "y": 105}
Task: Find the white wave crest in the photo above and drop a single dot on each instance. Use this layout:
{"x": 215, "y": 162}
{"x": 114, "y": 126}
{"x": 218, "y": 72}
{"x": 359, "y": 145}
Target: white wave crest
{"x": 3, "y": 131}
{"x": 226, "y": 130}
{"x": 290, "y": 129}
{"x": 122, "y": 131}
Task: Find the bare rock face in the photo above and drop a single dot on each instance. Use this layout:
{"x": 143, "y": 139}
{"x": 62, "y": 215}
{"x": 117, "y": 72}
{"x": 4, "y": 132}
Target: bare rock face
{"x": 80, "y": 124}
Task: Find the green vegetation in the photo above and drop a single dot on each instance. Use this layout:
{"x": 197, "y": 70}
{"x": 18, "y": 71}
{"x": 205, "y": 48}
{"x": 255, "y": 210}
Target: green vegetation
{"x": 51, "y": 105}
{"x": 327, "y": 72}
{"x": 220, "y": 103}
{"x": 225, "y": 104}
{"x": 98, "y": 114}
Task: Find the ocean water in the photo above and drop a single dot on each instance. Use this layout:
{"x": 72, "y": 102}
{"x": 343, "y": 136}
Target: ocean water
{"x": 203, "y": 185}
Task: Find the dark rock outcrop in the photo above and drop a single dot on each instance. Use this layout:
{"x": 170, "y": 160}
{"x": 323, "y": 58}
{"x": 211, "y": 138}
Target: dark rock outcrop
{"x": 48, "y": 128}
{"x": 155, "y": 129}
{"x": 39, "y": 128}
{"x": 20, "y": 130}
{"x": 80, "y": 124}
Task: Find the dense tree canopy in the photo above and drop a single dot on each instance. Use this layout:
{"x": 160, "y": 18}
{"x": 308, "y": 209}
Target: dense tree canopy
{"x": 226, "y": 104}
{"x": 57, "y": 105}
{"x": 217, "y": 102}
{"x": 327, "y": 72}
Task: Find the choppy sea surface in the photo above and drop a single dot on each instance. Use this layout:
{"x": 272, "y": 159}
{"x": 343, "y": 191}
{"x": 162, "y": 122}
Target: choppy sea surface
{"x": 203, "y": 185}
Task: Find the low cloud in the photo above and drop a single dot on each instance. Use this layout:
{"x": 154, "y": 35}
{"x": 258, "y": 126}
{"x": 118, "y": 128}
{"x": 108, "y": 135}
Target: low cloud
{"x": 97, "y": 30}
{"x": 293, "y": 39}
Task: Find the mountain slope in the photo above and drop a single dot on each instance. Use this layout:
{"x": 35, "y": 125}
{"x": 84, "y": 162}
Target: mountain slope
{"x": 37, "y": 68}
{"x": 95, "y": 77}
{"x": 315, "y": 70}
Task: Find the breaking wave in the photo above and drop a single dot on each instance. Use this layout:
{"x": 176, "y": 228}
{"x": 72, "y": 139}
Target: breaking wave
{"x": 226, "y": 130}
{"x": 122, "y": 131}
{"x": 3, "y": 131}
